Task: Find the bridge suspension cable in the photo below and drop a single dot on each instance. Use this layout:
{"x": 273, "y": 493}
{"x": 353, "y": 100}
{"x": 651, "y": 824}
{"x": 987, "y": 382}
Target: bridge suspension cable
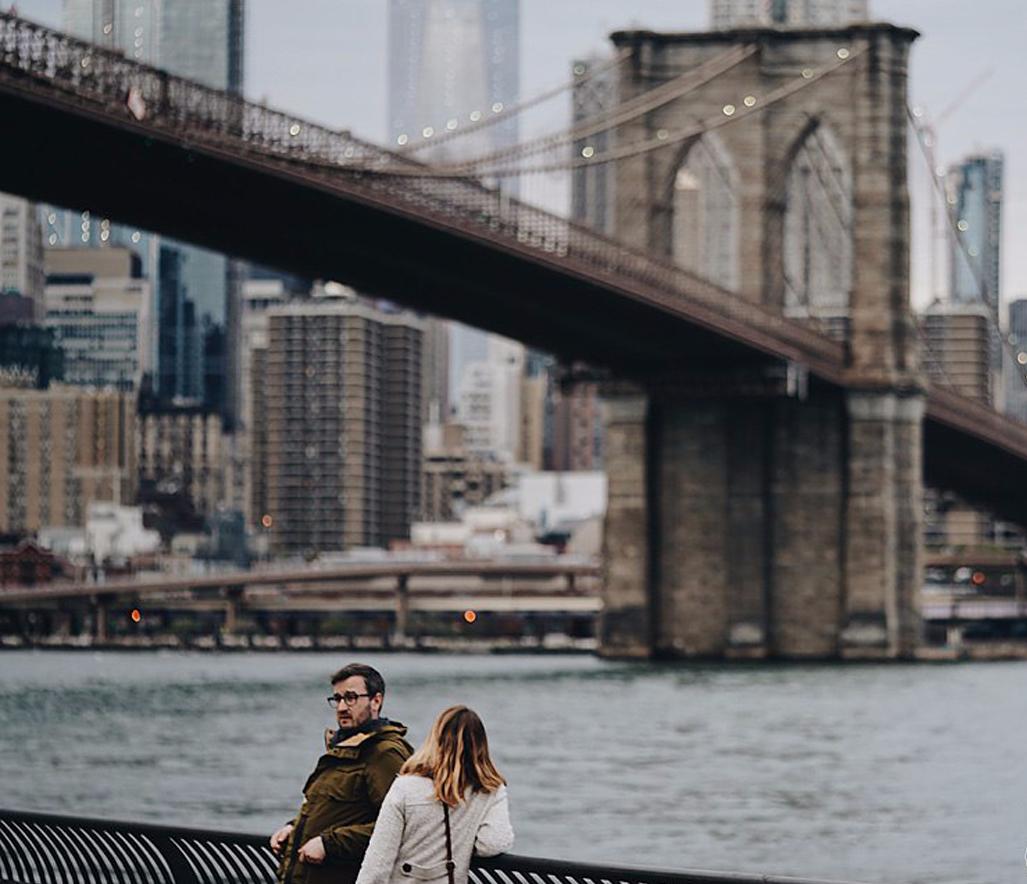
{"x": 446, "y": 135}
{"x": 621, "y": 113}
{"x": 730, "y": 113}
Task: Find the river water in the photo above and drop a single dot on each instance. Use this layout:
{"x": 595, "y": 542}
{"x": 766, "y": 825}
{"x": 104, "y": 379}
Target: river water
{"x": 877, "y": 773}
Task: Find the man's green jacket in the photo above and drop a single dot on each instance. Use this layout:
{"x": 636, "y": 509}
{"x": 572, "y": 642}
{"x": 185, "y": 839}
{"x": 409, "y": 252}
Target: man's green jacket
{"x": 341, "y": 802}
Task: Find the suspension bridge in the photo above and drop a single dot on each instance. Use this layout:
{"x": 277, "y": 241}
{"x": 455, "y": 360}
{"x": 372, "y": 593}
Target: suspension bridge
{"x": 746, "y": 298}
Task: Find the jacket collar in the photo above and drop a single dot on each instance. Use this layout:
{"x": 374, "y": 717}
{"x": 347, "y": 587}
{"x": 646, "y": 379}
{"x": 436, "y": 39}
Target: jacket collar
{"x": 351, "y": 745}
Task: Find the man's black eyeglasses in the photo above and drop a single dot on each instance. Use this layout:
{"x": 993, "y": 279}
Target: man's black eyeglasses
{"x": 349, "y": 698}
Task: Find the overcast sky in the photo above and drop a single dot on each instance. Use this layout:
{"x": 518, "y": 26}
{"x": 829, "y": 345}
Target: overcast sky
{"x": 326, "y": 60}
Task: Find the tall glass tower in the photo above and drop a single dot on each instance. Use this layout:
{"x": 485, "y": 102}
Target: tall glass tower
{"x": 453, "y": 63}
{"x": 196, "y": 290}
{"x": 1016, "y": 379}
{"x": 975, "y": 197}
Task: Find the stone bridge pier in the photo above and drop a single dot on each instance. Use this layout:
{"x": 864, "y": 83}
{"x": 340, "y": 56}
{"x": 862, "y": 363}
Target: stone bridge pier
{"x": 754, "y": 511}
{"x": 762, "y": 527}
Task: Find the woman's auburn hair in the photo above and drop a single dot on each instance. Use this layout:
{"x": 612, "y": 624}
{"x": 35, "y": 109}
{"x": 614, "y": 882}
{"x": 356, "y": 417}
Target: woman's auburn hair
{"x": 455, "y": 756}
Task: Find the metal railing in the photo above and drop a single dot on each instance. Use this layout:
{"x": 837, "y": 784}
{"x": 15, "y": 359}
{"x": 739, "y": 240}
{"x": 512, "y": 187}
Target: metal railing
{"x": 36, "y": 59}
{"x": 37, "y": 848}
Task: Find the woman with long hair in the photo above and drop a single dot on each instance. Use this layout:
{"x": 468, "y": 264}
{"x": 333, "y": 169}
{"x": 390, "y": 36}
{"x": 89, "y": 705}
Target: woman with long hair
{"x": 448, "y": 802}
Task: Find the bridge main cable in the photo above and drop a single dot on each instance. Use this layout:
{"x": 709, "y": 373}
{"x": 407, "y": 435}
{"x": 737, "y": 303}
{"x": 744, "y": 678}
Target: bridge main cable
{"x": 638, "y": 106}
{"x": 515, "y": 109}
{"x": 664, "y": 137}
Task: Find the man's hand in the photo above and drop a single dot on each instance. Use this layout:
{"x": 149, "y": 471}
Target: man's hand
{"x": 280, "y": 837}
{"x": 313, "y": 852}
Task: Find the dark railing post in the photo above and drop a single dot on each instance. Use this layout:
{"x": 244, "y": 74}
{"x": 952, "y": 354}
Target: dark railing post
{"x": 163, "y": 102}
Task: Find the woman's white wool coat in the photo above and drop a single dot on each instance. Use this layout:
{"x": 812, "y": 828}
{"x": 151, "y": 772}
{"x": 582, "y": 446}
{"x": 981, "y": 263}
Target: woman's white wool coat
{"x": 408, "y": 844}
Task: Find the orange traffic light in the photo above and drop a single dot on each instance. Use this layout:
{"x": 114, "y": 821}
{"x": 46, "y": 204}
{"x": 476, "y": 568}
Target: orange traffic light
{"x": 470, "y": 616}
{"x": 136, "y": 615}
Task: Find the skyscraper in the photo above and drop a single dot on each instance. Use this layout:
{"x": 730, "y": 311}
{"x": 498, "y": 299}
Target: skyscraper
{"x": 198, "y": 39}
{"x": 786, "y": 13}
{"x": 1016, "y": 357}
{"x": 975, "y": 198}
{"x": 452, "y": 63}
{"x": 201, "y": 40}
{"x": 21, "y": 251}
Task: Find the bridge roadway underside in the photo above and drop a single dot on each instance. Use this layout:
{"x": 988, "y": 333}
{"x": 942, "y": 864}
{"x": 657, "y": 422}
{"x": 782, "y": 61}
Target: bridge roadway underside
{"x": 991, "y": 476}
{"x": 59, "y": 152}
{"x": 261, "y": 211}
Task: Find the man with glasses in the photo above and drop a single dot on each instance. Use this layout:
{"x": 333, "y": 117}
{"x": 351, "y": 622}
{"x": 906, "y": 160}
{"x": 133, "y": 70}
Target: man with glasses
{"x": 327, "y": 840}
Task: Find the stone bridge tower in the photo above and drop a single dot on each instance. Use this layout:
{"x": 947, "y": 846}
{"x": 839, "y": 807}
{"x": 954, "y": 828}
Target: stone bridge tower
{"x": 751, "y": 512}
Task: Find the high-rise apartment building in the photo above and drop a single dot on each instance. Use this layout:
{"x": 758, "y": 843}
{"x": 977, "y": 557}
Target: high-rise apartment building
{"x": 61, "y": 449}
{"x": 435, "y": 374}
{"x": 337, "y": 391}
{"x": 21, "y": 252}
{"x": 263, "y": 291}
{"x": 786, "y": 13}
{"x": 203, "y": 41}
{"x": 99, "y": 310}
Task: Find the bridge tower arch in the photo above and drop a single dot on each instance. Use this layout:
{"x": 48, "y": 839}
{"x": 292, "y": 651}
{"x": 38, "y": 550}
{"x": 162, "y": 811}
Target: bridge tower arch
{"x": 703, "y": 224}
{"x": 817, "y": 234}
{"x": 752, "y": 511}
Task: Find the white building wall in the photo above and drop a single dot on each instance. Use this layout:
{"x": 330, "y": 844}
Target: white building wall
{"x": 104, "y": 329}
{"x": 489, "y": 403}
{"x": 21, "y": 250}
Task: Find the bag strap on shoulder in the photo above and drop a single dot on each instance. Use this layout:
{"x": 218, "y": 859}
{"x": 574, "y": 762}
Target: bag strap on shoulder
{"x": 450, "y": 865}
